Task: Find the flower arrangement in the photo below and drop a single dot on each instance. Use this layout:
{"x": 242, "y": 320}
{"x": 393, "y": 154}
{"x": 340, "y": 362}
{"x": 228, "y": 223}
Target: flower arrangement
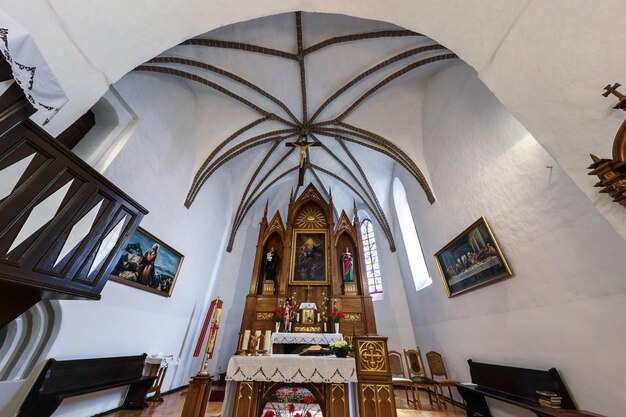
{"x": 340, "y": 349}
{"x": 336, "y": 315}
{"x": 279, "y": 314}
{"x": 292, "y": 402}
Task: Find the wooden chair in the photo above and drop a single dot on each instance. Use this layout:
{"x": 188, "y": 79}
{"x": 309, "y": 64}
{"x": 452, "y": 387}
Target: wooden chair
{"x": 398, "y": 377}
{"x": 439, "y": 374}
{"x": 417, "y": 374}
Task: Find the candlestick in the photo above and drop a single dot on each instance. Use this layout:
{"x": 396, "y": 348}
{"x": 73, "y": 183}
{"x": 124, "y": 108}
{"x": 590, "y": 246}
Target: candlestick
{"x": 267, "y": 341}
{"x": 246, "y": 338}
{"x": 257, "y": 333}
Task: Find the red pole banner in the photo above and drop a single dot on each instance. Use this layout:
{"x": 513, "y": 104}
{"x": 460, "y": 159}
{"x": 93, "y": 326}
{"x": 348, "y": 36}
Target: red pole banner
{"x": 205, "y": 326}
{"x": 214, "y": 328}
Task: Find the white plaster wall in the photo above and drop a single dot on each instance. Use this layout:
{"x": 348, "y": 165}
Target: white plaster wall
{"x": 393, "y": 319}
{"x": 153, "y": 168}
{"x": 565, "y": 304}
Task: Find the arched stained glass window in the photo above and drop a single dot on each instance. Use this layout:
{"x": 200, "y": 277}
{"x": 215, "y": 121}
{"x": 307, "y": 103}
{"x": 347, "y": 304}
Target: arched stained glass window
{"x": 372, "y": 268}
{"x": 417, "y": 263}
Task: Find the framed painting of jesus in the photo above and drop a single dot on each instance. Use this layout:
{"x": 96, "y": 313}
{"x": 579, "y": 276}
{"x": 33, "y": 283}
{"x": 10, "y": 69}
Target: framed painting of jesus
{"x": 309, "y": 258}
{"x": 471, "y": 260}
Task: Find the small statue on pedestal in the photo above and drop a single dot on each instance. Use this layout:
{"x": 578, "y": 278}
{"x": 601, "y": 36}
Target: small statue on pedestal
{"x": 348, "y": 266}
{"x": 271, "y": 265}
{"x": 287, "y": 316}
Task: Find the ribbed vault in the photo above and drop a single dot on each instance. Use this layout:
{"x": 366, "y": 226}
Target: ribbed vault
{"x": 279, "y": 123}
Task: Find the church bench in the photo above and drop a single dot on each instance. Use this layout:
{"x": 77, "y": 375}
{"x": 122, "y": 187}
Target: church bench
{"x": 518, "y": 387}
{"x": 63, "y": 379}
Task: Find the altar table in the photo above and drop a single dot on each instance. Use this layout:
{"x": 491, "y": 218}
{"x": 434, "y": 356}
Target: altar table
{"x": 249, "y": 377}
{"x": 343, "y": 387}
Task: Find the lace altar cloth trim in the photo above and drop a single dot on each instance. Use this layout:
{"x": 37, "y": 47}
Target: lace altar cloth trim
{"x": 30, "y": 69}
{"x": 291, "y": 369}
{"x": 306, "y": 338}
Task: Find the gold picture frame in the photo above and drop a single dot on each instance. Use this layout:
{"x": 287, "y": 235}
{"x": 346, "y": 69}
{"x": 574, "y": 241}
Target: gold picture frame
{"x": 132, "y": 261}
{"x": 305, "y": 266}
{"x": 471, "y": 260}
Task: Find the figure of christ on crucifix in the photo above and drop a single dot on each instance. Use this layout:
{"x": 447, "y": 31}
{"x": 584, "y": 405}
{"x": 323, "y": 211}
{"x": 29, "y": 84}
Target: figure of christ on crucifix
{"x": 303, "y": 144}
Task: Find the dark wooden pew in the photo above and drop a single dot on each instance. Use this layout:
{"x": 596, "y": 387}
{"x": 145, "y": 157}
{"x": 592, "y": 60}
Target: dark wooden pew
{"x": 516, "y": 386}
{"x": 62, "y": 379}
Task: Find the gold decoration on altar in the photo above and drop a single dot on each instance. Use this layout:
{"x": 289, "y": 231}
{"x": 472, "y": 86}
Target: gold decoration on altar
{"x": 311, "y": 218}
{"x": 277, "y": 223}
{"x": 372, "y": 356}
{"x": 307, "y": 329}
{"x": 244, "y": 398}
{"x": 349, "y": 288}
{"x": 264, "y": 316}
{"x": 352, "y": 317}
{"x": 309, "y": 193}
{"x": 344, "y": 225}
{"x": 268, "y": 287}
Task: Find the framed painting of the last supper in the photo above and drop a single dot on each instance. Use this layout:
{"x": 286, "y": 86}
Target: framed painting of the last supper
{"x": 471, "y": 260}
{"x": 309, "y": 260}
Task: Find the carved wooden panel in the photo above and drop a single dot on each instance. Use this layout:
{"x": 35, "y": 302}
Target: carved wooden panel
{"x": 266, "y": 304}
{"x": 245, "y": 400}
{"x": 337, "y": 400}
{"x": 351, "y": 304}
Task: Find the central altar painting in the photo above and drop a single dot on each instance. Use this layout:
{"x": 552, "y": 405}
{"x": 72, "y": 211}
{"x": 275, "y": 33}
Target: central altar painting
{"x": 310, "y": 263}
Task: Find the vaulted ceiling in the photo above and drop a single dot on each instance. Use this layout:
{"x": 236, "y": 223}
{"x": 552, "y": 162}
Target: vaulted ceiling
{"x": 301, "y": 76}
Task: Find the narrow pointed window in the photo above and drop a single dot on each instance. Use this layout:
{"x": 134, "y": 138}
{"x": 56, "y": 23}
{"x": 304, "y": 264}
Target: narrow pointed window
{"x": 372, "y": 269}
{"x": 411, "y": 241}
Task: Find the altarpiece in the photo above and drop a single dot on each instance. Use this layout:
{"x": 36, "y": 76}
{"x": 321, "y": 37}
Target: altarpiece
{"x": 309, "y": 267}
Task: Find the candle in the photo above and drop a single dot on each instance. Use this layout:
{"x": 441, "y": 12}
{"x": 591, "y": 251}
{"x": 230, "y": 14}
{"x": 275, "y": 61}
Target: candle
{"x": 267, "y": 340}
{"x": 246, "y": 338}
{"x": 318, "y": 317}
{"x": 258, "y": 338}
{"x": 298, "y": 317}
{"x": 289, "y": 326}
{"x": 325, "y": 329}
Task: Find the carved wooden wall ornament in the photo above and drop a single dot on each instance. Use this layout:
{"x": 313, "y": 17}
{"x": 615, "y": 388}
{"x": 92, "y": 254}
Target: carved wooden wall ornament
{"x": 612, "y": 172}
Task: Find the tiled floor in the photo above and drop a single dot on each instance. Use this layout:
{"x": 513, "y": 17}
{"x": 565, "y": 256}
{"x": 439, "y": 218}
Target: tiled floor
{"x": 173, "y": 406}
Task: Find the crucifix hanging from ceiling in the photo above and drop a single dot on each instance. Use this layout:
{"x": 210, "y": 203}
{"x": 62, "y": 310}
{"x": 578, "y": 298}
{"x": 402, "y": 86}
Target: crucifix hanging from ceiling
{"x": 303, "y": 144}
{"x": 310, "y": 130}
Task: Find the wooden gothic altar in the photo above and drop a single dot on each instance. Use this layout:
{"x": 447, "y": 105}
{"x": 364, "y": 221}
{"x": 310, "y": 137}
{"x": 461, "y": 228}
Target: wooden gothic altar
{"x": 310, "y": 227}
{"x": 314, "y": 263}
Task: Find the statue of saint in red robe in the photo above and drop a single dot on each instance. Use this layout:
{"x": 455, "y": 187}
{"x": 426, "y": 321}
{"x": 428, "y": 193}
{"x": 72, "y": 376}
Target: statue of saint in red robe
{"x": 348, "y": 267}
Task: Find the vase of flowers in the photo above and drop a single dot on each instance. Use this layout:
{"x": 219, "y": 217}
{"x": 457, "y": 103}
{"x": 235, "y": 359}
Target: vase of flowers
{"x": 279, "y": 315}
{"x": 292, "y": 402}
{"x": 340, "y": 349}
{"x": 336, "y": 316}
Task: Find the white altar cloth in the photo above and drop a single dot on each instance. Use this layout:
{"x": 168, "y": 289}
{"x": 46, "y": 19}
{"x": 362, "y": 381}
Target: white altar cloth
{"x": 292, "y": 369}
{"x": 306, "y": 338}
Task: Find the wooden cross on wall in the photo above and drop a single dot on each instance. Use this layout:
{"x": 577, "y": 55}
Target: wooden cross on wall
{"x": 304, "y": 145}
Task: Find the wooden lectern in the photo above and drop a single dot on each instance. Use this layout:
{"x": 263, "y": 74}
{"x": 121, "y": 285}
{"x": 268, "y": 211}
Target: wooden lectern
{"x": 374, "y": 389}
